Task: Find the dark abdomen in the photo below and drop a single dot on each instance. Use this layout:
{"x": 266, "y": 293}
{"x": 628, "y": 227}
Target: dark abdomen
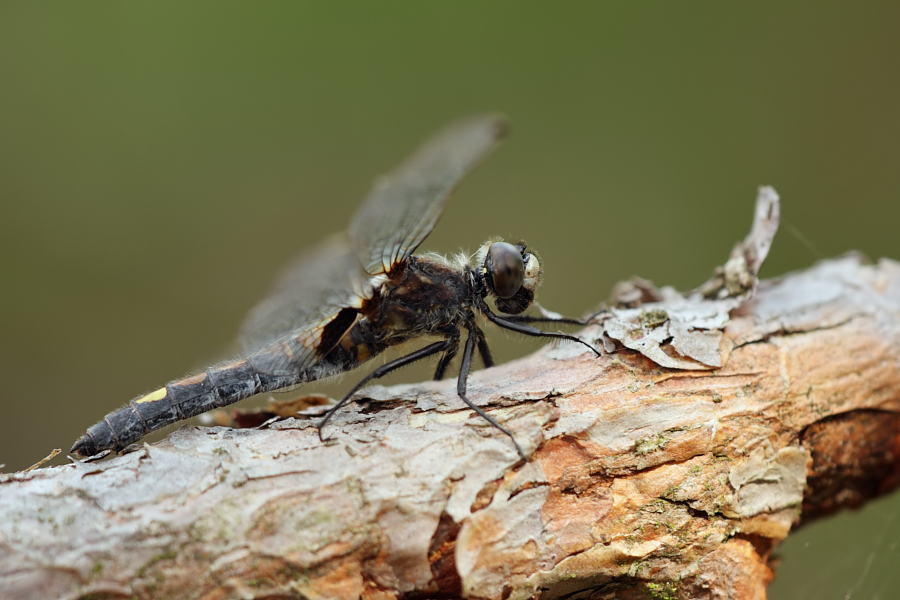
{"x": 179, "y": 400}
{"x": 218, "y": 387}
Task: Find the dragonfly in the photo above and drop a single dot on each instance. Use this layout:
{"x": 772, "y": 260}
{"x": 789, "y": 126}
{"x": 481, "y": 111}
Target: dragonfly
{"x": 356, "y": 294}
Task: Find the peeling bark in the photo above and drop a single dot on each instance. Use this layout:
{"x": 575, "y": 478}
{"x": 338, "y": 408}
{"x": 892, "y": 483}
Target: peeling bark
{"x": 670, "y": 467}
{"x": 643, "y": 481}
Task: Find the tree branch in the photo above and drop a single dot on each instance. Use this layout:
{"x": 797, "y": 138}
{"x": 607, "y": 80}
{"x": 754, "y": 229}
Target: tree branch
{"x": 643, "y": 480}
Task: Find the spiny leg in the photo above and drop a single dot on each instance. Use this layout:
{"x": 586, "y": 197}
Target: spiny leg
{"x": 483, "y": 350}
{"x": 445, "y": 361}
{"x": 468, "y": 351}
{"x": 547, "y": 319}
{"x": 531, "y": 319}
{"x": 529, "y": 330}
{"x": 387, "y": 368}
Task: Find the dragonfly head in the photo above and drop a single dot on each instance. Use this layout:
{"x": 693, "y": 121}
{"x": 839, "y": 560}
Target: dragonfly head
{"x": 511, "y": 275}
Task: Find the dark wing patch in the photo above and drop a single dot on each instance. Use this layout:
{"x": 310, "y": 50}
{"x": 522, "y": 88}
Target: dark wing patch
{"x": 403, "y": 206}
{"x": 306, "y": 301}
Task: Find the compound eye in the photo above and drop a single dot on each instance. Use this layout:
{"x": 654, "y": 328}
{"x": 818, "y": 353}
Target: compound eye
{"x": 506, "y": 268}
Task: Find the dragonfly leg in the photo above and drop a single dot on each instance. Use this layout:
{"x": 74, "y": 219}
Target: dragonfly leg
{"x": 468, "y": 351}
{"x": 387, "y": 368}
{"x": 445, "y": 360}
{"x": 567, "y": 320}
{"x": 529, "y": 330}
{"x": 483, "y": 350}
{"x": 531, "y": 319}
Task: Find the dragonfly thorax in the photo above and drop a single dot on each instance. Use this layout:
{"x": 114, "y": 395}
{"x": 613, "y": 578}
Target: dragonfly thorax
{"x": 424, "y": 296}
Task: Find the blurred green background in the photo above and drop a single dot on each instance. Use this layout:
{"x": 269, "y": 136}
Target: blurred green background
{"x": 160, "y": 161}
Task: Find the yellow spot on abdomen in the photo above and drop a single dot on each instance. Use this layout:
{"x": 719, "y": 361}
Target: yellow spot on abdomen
{"x": 153, "y": 396}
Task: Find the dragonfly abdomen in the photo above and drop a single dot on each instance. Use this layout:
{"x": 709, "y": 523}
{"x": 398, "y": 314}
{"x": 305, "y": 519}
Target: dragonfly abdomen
{"x": 179, "y": 400}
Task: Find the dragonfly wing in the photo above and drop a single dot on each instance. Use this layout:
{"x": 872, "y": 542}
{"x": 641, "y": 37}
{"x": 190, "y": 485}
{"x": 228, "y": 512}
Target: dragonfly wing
{"x": 315, "y": 301}
{"x": 404, "y": 205}
{"x": 312, "y": 297}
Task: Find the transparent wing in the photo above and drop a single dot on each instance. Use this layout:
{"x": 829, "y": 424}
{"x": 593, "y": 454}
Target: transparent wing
{"x": 308, "y": 296}
{"x": 403, "y": 206}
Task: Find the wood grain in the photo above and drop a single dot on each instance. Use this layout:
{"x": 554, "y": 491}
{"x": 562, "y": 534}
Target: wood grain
{"x": 643, "y": 481}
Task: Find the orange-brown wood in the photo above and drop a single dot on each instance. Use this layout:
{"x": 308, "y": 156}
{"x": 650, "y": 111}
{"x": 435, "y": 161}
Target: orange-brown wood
{"x": 644, "y": 481}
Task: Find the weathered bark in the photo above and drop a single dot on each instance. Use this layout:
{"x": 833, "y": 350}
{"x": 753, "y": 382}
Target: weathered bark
{"x": 643, "y": 481}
